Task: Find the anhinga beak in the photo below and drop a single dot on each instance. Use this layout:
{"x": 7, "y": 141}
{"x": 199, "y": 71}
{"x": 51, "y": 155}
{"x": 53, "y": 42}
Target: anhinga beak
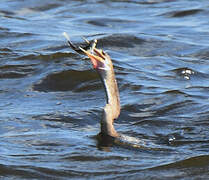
{"x": 96, "y": 56}
{"x": 77, "y": 49}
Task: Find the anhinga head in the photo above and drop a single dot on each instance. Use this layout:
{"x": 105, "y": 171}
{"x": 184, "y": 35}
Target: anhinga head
{"x": 101, "y": 62}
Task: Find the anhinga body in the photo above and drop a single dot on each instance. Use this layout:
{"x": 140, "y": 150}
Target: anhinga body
{"x": 103, "y": 64}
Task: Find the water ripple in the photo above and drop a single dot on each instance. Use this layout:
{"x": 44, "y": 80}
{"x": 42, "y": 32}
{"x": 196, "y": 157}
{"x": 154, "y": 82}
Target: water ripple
{"x": 51, "y": 98}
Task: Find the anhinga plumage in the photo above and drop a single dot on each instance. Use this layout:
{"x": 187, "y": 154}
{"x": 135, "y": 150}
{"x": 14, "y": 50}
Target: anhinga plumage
{"x": 102, "y": 63}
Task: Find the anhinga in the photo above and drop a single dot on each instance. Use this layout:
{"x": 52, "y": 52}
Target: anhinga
{"x": 102, "y": 63}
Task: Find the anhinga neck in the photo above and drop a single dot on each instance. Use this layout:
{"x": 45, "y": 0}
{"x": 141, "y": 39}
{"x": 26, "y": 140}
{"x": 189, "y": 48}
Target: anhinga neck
{"x": 112, "y": 109}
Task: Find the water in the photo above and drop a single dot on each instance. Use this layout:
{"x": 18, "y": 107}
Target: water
{"x": 52, "y": 100}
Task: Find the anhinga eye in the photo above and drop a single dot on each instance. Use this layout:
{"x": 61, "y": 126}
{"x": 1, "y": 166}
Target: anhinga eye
{"x": 103, "y": 53}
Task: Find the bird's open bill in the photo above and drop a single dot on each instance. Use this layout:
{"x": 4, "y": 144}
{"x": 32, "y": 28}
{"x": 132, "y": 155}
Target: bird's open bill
{"x": 96, "y": 56}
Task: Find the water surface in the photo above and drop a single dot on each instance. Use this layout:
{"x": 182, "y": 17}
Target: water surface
{"x": 52, "y": 99}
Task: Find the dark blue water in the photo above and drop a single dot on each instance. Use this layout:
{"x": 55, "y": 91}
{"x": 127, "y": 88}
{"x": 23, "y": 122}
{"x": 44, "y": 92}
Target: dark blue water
{"x": 51, "y": 99}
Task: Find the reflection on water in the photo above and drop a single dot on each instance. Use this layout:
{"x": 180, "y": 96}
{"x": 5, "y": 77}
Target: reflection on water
{"x": 52, "y": 100}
